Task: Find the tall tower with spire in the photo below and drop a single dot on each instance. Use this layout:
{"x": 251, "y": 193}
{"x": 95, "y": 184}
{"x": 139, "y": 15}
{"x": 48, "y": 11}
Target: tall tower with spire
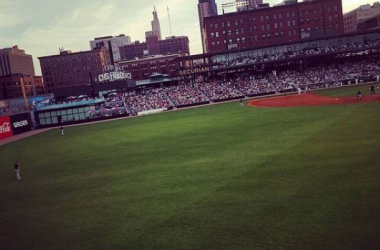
{"x": 156, "y": 28}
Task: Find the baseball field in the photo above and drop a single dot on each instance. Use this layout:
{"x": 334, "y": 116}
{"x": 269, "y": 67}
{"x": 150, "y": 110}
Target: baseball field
{"x": 214, "y": 177}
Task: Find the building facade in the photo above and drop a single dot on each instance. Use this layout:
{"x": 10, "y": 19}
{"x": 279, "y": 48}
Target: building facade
{"x": 352, "y": 18}
{"x": 276, "y": 25}
{"x": 154, "y": 46}
{"x": 206, "y": 8}
{"x": 71, "y": 69}
{"x": 11, "y": 86}
{"x": 111, "y": 45}
{"x": 143, "y": 68}
{"x": 15, "y": 61}
{"x": 369, "y": 23}
{"x": 156, "y": 27}
{"x": 251, "y": 4}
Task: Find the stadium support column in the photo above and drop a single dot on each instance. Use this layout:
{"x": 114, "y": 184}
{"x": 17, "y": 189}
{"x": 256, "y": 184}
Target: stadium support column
{"x": 24, "y": 93}
{"x": 92, "y": 86}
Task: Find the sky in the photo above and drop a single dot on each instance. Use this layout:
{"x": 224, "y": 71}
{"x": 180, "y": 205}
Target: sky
{"x": 40, "y": 27}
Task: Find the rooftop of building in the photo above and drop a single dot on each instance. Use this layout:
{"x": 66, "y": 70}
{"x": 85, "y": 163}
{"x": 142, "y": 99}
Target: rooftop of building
{"x": 266, "y": 7}
{"x": 153, "y": 57}
{"x": 364, "y": 7}
{"x": 68, "y": 52}
{"x": 109, "y": 37}
{"x": 14, "y": 48}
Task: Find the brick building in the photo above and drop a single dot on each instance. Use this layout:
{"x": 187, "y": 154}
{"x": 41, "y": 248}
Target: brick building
{"x": 111, "y": 45}
{"x": 352, "y": 18}
{"x": 206, "y": 8}
{"x": 71, "y": 69}
{"x": 154, "y": 46}
{"x": 14, "y": 61}
{"x": 11, "y": 86}
{"x": 369, "y": 23}
{"x": 143, "y": 68}
{"x": 270, "y": 26}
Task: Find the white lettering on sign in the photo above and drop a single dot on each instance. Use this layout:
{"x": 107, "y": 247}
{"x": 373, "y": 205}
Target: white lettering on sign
{"x": 114, "y": 76}
{"x": 5, "y": 128}
{"x": 20, "y": 124}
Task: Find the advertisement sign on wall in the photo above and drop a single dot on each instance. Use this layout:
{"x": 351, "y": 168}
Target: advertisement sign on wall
{"x": 5, "y": 127}
{"x": 20, "y": 123}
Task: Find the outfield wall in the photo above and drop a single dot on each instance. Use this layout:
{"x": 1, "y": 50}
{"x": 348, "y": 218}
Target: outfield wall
{"x": 14, "y": 125}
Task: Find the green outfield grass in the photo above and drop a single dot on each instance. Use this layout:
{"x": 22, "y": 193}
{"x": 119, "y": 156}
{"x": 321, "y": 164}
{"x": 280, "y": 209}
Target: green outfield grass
{"x": 216, "y": 177}
{"x": 350, "y": 90}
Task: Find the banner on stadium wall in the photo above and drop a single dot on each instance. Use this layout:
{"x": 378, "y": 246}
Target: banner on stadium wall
{"x": 5, "y": 127}
{"x": 21, "y": 123}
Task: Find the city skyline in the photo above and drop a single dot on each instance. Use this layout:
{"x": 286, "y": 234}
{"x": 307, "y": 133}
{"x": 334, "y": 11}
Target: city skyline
{"x": 43, "y": 34}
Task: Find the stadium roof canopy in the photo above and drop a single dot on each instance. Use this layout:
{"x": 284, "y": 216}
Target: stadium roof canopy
{"x": 155, "y": 79}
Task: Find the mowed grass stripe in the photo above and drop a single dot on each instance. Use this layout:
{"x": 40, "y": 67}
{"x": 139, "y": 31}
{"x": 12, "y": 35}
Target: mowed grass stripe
{"x": 209, "y": 178}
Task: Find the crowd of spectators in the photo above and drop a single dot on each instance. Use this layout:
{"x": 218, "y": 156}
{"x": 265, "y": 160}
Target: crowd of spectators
{"x": 186, "y": 95}
{"x": 288, "y": 79}
{"x": 12, "y": 111}
{"x": 325, "y": 74}
{"x": 251, "y": 86}
{"x": 150, "y": 99}
{"x": 251, "y": 59}
{"x": 364, "y": 69}
{"x": 220, "y": 90}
